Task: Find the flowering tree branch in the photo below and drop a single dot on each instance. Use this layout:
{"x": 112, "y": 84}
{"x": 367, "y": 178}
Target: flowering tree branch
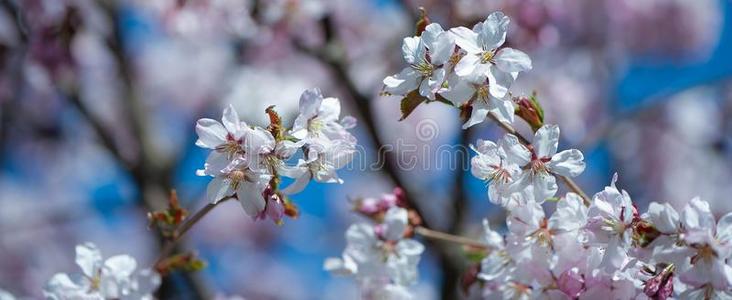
{"x": 443, "y": 236}
{"x": 181, "y": 230}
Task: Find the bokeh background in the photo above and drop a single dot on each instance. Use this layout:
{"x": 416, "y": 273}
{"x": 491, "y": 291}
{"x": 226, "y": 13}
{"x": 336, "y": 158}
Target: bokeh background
{"x": 98, "y": 101}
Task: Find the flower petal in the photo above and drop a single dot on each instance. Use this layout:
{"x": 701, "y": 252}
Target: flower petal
{"x": 567, "y": 163}
{"x": 499, "y": 81}
{"x": 250, "y": 197}
{"x": 218, "y": 189}
{"x": 511, "y": 60}
{"x": 88, "y": 258}
{"x": 120, "y": 266}
{"x": 466, "y": 65}
{"x": 546, "y": 141}
{"x": 231, "y": 121}
{"x": 492, "y": 32}
{"x": 466, "y": 39}
{"x": 401, "y": 84}
{"x": 210, "y": 133}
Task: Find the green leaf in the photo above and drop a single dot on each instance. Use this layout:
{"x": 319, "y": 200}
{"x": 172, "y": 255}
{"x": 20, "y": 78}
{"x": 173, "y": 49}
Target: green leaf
{"x": 410, "y": 102}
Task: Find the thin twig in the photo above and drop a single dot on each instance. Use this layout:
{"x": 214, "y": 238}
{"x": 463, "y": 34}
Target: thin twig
{"x": 443, "y": 236}
{"x": 183, "y": 228}
{"x": 567, "y": 181}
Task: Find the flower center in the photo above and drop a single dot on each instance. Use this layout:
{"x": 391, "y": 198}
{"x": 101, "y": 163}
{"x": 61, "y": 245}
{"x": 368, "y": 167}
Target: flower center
{"x": 424, "y": 68}
{"x": 500, "y": 175}
{"x": 231, "y": 148}
{"x": 315, "y": 125}
{"x": 486, "y": 57}
{"x": 481, "y": 93}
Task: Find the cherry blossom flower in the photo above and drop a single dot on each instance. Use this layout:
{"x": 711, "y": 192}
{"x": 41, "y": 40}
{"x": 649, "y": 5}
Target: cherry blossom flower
{"x": 483, "y": 57}
{"x": 544, "y": 162}
{"x": 475, "y": 91}
{"x": 609, "y": 220}
{"x": 113, "y": 278}
{"x": 427, "y": 56}
{"x": 498, "y": 165}
{"x": 324, "y": 157}
{"x": 319, "y": 118}
{"x": 236, "y": 178}
{"x": 379, "y": 255}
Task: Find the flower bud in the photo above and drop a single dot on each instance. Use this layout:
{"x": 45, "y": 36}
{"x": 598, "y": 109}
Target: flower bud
{"x": 661, "y": 285}
{"x": 469, "y": 278}
{"x": 422, "y": 22}
{"x": 571, "y": 283}
{"x": 529, "y": 109}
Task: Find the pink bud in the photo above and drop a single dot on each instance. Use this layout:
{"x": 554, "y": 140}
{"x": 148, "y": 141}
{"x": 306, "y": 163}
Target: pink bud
{"x": 275, "y": 209}
{"x": 571, "y": 283}
{"x": 379, "y": 230}
{"x": 368, "y": 206}
{"x": 660, "y": 286}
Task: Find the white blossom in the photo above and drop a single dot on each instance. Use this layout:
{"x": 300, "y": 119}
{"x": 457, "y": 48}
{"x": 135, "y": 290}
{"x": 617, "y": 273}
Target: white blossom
{"x": 427, "y": 56}
{"x": 500, "y": 66}
{"x": 379, "y": 256}
{"x": 113, "y": 278}
{"x": 544, "y": 162}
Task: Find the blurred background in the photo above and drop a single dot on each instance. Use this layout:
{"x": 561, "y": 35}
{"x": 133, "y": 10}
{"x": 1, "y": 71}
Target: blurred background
{"x": 99, "y": 98}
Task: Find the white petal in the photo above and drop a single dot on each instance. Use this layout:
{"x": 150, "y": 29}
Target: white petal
{"x": 460, "y": 90}
{"x": 120, "y": 266}
{"x": 395, "y": 223}
{"x": 466, "y": 65}
{"x": 724, "y": 228}
{"x": 546, "y": 141}
{"x": 330, "y": 110}
{"x": 210, "y": 133}
{"x": 499, "y": 81}
{"x": 348, "y": 122}
{"x": 503, "y": 109}
{"x": 512, "y": 60}
{"x": 466, "y": 39}
{"x": 545, "y": 186}
{"x": 697, "y": 216}
{"x": 250, "y": 197}
{"x": 478, "y": 115}
{"x": 61, "y": 287}
{"x": 300, "y": 183}
{"x": 361, "y": 235}
{"x": 218, "y": 189}
{"x": 664, "y": 217}
{"x": 516, "y": 152}
{"x": 567, "y": 163}
{"x": 401, "y": 84}
{"x": 338, "y": 266}
{"x": 310, "y": 101}
{"x": 410, "y": 49}
{"x": 88, "y": 258}
{"x": 493, "y": 31}
{"x": 571, "y": 213}
{"x": 231, "y": 120}
{"x": 441, "y": 49}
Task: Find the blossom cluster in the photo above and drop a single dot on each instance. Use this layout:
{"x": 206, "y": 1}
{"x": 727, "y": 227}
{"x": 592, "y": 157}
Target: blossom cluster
{"x": 462, "y": 66}
{"x": 608, "y": 250}
{"x": 598, "y": 248}
{"x": 381, "y": 256}
{"x": 116, "y": 277}
{"x": 247, "y": 162}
